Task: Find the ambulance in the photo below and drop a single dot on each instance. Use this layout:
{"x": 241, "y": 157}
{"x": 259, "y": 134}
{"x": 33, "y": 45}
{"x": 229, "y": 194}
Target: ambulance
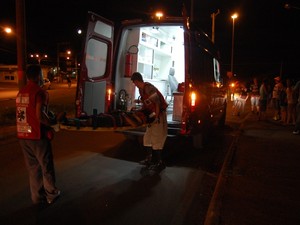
{"x": 171, "y": 53}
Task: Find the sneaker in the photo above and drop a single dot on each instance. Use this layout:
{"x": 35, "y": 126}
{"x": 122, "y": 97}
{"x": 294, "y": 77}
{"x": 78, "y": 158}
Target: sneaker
{"x": 296, "y": 132}
{"x": 146, "y": 162}
{"x": 157, "y": 167}
{"x": 52, "y": 197}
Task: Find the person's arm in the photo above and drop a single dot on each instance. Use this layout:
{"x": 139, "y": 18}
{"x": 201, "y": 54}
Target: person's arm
{"x": 155, "y": 99}
{"x": 41, "y": 113}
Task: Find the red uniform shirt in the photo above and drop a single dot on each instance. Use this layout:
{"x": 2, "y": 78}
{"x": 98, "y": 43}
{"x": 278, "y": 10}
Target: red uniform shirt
{"x": 150, "y": 103}
{"x": 28, "y": 125}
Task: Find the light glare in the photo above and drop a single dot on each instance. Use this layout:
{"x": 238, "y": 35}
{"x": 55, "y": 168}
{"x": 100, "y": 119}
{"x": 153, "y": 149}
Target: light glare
{"x": 159, "y": 15}
{"x": 7, "y": 30}
{"x": 193, "y": 99}
{"x": 234, "y": 16}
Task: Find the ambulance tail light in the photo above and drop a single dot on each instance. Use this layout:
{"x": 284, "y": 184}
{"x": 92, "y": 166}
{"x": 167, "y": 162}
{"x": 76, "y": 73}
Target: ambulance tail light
{"x": 193, "y": 99}
{"x": 109, "y": 94}
{"x": 109, "y": 98}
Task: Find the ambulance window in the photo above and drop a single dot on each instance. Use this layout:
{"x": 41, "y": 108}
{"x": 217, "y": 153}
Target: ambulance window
{"x": 216, "y": 70}
{"x": 96, "y": 57}
{"x": 103, "y": 29}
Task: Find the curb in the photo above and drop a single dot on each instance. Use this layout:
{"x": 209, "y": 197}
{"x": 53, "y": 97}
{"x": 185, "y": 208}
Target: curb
{"x": 213, "y": 213}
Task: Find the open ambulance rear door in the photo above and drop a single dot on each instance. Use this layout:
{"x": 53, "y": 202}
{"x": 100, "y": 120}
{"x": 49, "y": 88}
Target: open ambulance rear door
{"x": 94, "y": 94}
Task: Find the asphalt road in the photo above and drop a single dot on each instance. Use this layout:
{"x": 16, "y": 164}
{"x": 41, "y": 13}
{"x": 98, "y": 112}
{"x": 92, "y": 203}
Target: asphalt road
{"x": 102, "y": 183}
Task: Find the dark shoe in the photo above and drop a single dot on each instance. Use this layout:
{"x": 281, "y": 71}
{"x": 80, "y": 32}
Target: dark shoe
{"x": 157, "y": 167}
{"x": 296, "y": 132}
{"x": 52, "y": 197}
{"x": 147, "y": 161}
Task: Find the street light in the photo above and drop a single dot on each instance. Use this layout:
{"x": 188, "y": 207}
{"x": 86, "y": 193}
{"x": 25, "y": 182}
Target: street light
{"x": 79, "y": 31}
{"x": 159, "y": 15}
{"x": 289, "y": 6}
{"x": 5, "y": 39}
{"x": 7, "y": 30}
{"x": 234, "y": 16}
{"x": 68, "y": 54}
{"x": 38, "y": 57}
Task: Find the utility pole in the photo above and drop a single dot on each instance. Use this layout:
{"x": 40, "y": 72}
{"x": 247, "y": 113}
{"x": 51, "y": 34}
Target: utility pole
{"x": 213, "y": 17}
{"x": 233, "y": 17}
{"x": 21, "y": 42}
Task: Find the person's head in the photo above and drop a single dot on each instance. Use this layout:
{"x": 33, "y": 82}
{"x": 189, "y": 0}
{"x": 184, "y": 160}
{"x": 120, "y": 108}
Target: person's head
{"x": 137, "y": 79}
{"x": 255, "y": 80}
{"x": 137, "y": 76}
{"x": 277, "y": 79}
{"x": 33, "y": 72}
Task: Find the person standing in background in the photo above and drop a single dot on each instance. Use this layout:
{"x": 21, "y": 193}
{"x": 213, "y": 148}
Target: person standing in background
{"x": 254, "y": 96}
{"x": 283, "y": 104}
{"x": 275, "y": 98}
{"x": 263, "y": 100}
{"x": 291, "y": 100}
{"x": 32, "y": 120}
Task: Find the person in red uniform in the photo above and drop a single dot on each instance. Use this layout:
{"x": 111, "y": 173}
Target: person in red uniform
{"x": 31, "y": 119}
{"x": 157, "y": 130}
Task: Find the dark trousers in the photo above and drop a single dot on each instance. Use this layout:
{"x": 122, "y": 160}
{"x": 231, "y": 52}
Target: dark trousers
{"x": 39, "y": 162}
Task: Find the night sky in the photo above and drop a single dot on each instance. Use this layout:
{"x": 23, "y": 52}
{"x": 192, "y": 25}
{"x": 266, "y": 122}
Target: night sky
{"x": 266, "y": 34}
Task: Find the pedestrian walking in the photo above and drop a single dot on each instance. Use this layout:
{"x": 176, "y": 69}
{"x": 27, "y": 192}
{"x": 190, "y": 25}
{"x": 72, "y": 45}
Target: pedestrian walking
{"x": 283, "y": 104}
{"x": 240, "y": 100}
{"x": 69, "y": 80}
{"x": 275, "y": 98}
{"x": 291, "y": 100}
{"x": 156, "y": 132}
{"x": 263, "y": 100}
{"x": 32, "y": 123}
{"x": 254, "y": 96}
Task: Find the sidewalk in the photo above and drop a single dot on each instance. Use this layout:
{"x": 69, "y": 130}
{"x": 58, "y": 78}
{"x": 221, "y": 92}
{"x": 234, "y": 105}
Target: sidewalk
{"x": 260, "y": 181}
{"x": 7, "y": 132}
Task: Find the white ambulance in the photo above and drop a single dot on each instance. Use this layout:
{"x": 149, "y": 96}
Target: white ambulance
{"x": 180, "y": 60}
